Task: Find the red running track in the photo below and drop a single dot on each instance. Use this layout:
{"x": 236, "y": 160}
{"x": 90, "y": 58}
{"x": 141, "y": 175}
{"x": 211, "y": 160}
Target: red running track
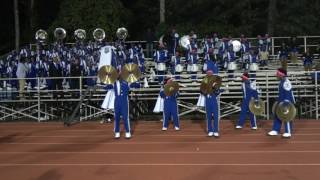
{"x": 49, "y": 151}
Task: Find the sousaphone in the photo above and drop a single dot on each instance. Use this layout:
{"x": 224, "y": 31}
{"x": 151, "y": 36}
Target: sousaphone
{"x": 130, "y": 73}
{"x": 170, "y": 88}
{"x": 107, "y": 74}
{"x": 210, "y": 83}
{"x": 41, "y": 35}
{"x": 257, "y": 107}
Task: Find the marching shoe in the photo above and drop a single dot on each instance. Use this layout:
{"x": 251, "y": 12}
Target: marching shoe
{"x": 164, "y": 128}
{"x": 254, "y": 128}
{"x": 238, "y": 127}
{"x": 117, "y": 135}
{"x": 128, "y": 135}
{"x": 216, "y": 134}
{"x": 176, "y": 128}
{"x": 286, "y": 135}
{"x": 109, "y": 120}
{"x": 210, "y": 134}
{"x": 273, "y": 133}
{"x": 102, "y": 121}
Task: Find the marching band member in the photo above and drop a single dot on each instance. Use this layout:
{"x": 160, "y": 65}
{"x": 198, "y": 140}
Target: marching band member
{"x": 231, "y": 58}
{"x": 253, "y": 58}
{"x": 170, "y": 109}
{"x": 249, "y": 90}
{"x": 161, "y": 57}
{"x": 285, "y": 95}
{"x": 174, "y": 41}
{"x": 212, "y": 111}
{"x": 245, "y": 48}
{"x": 193, "y": 55}
{"x": 176, "y": 62}
{"x": 121, "y": 107}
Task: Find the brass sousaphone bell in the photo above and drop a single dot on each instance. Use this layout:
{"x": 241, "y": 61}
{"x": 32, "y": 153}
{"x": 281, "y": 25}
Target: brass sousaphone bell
{"x": 130, "y": 73}
{"x": 107, "y": 74}
{"x": 170, "y": 88}
{"x": 207, "y": 83}
{"x": 285, "y": 110}
{"x": 257, "y": 107}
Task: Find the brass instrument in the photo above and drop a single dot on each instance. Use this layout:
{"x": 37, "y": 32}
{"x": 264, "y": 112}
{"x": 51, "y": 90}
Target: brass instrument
{"x": 80, "y": 34}
{"x": 170, "y": 88}
{"x": 130, "y": 73}
{"x": 60, "y": 33}
{"x": 107, "y": 74}
{"x": 99, "y": 34}
{"x": 122, "y": 33}
{"x": 41, "y": 35}
{"x": 257, "y": 107}
{"x": 210, "y": 83}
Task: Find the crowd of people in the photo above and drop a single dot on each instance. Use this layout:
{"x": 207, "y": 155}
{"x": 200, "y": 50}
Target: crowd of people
{"x": 212, "y": 53}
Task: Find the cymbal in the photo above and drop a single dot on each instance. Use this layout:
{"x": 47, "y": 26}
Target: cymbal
{"x": 286, "y": 111}
{"x": 256, "y": 106}
{"x": 171, "y": 88}
{"x": 207, "y": 83}
{"x": 130, "y": 73}
{"x": 107, "y": 74}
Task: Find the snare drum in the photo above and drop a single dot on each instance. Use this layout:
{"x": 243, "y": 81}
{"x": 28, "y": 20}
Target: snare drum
{"x": 194, "y": 68}
{"x": 232, "y": 66}
{"x": 254, "y": 67}
{"x": 161, "y": 67}
{"x": 179, "y": 68}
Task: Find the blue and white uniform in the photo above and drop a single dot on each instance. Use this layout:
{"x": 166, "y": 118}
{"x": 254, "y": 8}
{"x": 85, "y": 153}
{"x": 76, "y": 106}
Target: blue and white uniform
{"x": 160, "y": 56}
{"x": 121, "y": 105}
{"x": 249, "y": 90}
{"x": 212, "y": 111}
{"x": 285, "y": 95}
{"x": 170, "y": 109}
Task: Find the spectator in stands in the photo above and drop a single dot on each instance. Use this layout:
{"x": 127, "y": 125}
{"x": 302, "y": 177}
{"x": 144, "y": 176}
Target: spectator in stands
{"x": 294, "y": 50}
{"x": 307, "y": 60}
{"x": 263, "y": 56}
{"x": 21, "y": 74}
{"x": 75, "y": 72}
{"x": 150, "y": 37}
{"x": 283, "y": 55}
{"x": 316, "y": 75}
{"x": 55, "y": 72}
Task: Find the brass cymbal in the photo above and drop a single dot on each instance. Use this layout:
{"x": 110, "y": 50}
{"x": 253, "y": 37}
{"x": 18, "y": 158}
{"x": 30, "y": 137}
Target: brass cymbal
{"x": 170, "y": 88}
{"x": 256, "y": 106}
{"x": 130, "y": 73}
{"x": 206, "y": 86}
{"x": 107, "y": 74}
{"x": 286, "y": 111}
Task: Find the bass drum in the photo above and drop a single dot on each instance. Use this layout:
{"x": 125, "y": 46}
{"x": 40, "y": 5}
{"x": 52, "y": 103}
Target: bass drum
{"x": 232, "y": 66}
{"x": 254, "y": 67}
{"x": 179, "y": 68}
{"x": 161, "y": 67}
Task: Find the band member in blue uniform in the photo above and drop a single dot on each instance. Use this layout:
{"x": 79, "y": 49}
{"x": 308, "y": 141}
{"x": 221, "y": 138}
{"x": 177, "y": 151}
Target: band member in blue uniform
{"x": 212, "y": 110}
{"x": 285, "y": 95}
{"x": 176, "y": 62}
{"x": 249, "y": 90}
{"x": 161, "y": 57}
{"x": 170, "y": 109}
{"x": 121, "y": 107}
